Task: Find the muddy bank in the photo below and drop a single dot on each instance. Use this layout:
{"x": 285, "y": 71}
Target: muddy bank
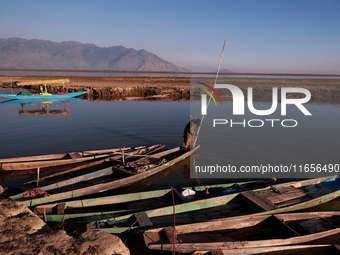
{"x": 323, "y": 90}
{"x": 22, "y": 232}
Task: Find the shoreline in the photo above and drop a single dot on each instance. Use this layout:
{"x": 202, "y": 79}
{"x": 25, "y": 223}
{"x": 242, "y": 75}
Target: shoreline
{"x": 323, "y": 90}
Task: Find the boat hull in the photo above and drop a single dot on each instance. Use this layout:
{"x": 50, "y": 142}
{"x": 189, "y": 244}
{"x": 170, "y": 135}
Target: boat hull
{"x": 40, "y": 97}
{"x": 252, "y": 233}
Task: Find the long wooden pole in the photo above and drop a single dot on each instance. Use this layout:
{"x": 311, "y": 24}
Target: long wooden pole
{"x": 218, "y": 71}
{"x": 174, "y": 215}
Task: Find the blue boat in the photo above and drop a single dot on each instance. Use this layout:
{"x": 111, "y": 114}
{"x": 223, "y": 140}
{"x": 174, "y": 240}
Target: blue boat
{"x": 43, "y": 95}
{"x": 42, "y": 100}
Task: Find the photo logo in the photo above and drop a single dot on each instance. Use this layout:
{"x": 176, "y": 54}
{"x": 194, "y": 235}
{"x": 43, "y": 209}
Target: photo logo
{"x": 239, "y": 104}
{"x": 204, "y": 97}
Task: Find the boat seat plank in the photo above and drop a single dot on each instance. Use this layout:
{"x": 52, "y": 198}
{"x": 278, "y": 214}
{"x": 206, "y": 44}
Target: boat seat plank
{"x": 169, "y": 233}
{"x": 61, "y": 208}
{"x": 284, "y": 197}
{"x": 217, "y": 252}
{"x": 284, "y": 189}
{"x": 74, "y": 155}
{"x": 258, "y": 203}
{"x": 49, "y": 208}
{"x": 293, "y": 201}
{"x": 143, "y": 219}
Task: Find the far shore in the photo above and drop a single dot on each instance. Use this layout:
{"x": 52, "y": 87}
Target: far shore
{"x": 323, "y": 89}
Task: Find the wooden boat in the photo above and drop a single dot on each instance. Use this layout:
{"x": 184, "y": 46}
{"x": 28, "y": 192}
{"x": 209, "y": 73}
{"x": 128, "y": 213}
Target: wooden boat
{"x": 256, "y": 231}
{"x": 111, "y": 182}
{"x": 307, "y": 249}
{"x": 43, "y": 95}
{"x": 59, "y": 159}
{"x": 279, "y": 198}
{"x": 89, "y": 210}
{"x": 86, "y": 172}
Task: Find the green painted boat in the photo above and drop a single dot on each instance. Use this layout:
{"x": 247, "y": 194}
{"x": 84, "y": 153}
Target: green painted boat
{"x": 113, "y": 181}
{"x": 279, "y": 198}
{"x": 256, "y": 231}
{"x": 93, "y": 209}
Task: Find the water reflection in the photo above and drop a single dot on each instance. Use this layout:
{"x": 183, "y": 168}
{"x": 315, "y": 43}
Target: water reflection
{"x": 43, "y": 107}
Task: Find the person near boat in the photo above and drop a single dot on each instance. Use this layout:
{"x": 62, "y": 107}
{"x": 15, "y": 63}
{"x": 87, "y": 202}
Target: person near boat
{"x": 189, "y": 133}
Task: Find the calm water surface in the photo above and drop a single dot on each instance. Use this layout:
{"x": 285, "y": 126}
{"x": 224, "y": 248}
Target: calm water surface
{"x": 94, "y": 125}
{"x": 314, "y": 140}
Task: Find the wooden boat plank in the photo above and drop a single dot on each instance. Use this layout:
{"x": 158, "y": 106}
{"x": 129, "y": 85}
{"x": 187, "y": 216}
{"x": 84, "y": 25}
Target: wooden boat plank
{"x": 32, "y": 162}
{"x": 50, "y": 163}
{"x": 116, "y": 199}
{"x": 257, "y": 203}
{"x": 33, "y": 158}
{"x": 143, "y": 219}
{"x": 58, "y": 155}
{"x": 74, "y": 155}
{"x": 170, "y": 233}
{"x": 293, "y": 201}
{"x": 287, "y": 250}
{"x": 62, "y": 173}
{"x": 284, "y": 197}
{"x": 85, "y": 177}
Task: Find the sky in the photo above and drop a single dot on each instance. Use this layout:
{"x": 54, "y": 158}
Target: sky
{"x": 262, "y": 36}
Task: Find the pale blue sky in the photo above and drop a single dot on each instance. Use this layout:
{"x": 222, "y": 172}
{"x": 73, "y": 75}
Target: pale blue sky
{"x": 272, "y": 36}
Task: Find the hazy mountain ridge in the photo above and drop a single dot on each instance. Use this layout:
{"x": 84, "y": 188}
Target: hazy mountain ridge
{"x": 18, "y": 53}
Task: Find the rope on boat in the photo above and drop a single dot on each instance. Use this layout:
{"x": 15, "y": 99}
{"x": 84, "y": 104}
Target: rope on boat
{"x": 129, "y": 230}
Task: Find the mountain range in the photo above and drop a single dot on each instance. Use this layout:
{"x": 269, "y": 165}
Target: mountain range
{"x": 18, "y": 53}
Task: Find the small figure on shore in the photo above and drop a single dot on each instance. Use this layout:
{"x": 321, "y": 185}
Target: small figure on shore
{"x": 189, "y": 133}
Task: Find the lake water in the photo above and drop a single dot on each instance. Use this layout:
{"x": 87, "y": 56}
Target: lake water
{"x": 90, "y": 125}
{"x": 293, "y": 141}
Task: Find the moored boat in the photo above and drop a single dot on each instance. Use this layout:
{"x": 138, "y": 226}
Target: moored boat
{"x": 279, "y": 198}
{"x": 43, "y": 95}
{"x": 113, "y": 181}
{"x": 256, "y": 231}
{"x": 304, "y": 249}
{"x": 87, "y": 171}
{"x": 59, "y": 159}
{"x": 92, "y": 209}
